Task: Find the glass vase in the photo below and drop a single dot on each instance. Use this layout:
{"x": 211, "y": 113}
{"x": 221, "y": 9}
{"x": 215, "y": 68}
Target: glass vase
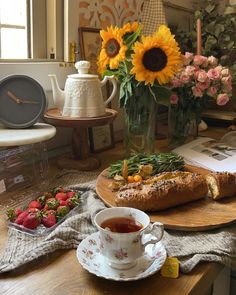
{"x": 140, "y": 124}
{"x": 182, "y": 124}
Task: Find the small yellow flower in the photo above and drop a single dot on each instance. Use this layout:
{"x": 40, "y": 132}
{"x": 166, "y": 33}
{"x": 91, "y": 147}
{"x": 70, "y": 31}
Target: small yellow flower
{"x": 156, "y": 57}
{"x": 113, "y": 50}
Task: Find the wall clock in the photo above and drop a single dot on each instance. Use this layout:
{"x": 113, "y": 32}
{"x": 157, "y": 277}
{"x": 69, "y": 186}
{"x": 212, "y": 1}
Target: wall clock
{"x": 22, "y": 101}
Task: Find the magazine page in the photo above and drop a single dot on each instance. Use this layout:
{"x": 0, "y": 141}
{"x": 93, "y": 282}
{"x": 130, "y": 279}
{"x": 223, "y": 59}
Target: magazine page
{"x": 210, "y": 154}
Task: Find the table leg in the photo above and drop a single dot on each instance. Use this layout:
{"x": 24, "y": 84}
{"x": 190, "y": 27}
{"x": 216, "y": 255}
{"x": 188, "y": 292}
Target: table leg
{"x": 80, "y": 147}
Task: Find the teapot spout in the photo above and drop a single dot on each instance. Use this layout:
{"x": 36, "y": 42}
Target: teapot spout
{"x": 57, "y": 93}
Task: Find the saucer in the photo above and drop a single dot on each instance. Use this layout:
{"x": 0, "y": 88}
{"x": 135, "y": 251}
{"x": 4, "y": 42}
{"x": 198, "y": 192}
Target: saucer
{"x": 90, "y": 258}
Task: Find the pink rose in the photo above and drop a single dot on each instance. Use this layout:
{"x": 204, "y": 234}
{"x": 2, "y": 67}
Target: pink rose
{"x": 189, "y": 70}
{"x": 197, "y": 91}
{"x": 174, "y": 98}
{"x": 227, "y": 83}
{"x": 199, "y": 60}
{"x": 222, "y": 99}
{"x": 212, "y": 60}
{"x": 219, "y": 68}
{"x": 201, "y": 76}
{"x": 188, "y": 57}
{"x": 205, "y": 63}
{"x": 176, "y": 83}
{"x": 212, "y": 91}
{"x": 225, "y": 72}
{"x": 184, "y": 78}
{"x": 203, "y": 85}
{"x": 214, "y": 74}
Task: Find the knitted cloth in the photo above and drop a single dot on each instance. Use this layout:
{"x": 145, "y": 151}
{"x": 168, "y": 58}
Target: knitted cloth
{"x": 153, "y": 15}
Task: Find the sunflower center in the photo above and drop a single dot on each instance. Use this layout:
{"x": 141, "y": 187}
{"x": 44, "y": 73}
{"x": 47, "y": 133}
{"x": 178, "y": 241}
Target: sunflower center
{"x": 154, "y": 59}
{"x": 112, "y": 47}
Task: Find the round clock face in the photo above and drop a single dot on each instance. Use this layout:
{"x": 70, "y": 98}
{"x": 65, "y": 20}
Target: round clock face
{"x": 22, "y": 101}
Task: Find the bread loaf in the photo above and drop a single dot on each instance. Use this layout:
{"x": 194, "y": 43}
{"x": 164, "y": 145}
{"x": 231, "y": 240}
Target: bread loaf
{"x": 221, "y": 184}
{"x": 163, "y": 192}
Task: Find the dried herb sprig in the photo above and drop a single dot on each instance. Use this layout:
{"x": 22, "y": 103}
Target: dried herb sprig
{"x": 161, "y": 162}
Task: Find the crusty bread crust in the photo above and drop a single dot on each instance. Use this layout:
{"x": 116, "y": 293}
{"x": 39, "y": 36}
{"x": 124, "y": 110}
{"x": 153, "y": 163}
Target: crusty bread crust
{"x": 162, "y": 194}
{"x": 221, "y": 184}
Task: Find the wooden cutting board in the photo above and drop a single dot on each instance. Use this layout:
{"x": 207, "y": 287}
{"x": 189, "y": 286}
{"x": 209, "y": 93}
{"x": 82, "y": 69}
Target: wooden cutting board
{"x": 203, "y": 214}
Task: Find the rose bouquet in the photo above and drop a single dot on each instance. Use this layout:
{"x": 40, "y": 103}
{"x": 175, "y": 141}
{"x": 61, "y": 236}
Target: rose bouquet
{"x": 201, "y": 79}
{"x": 143, "y": 65}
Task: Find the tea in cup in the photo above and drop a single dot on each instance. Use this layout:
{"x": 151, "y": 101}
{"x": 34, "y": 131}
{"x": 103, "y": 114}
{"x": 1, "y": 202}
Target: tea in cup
{"x": 124, "y": 233}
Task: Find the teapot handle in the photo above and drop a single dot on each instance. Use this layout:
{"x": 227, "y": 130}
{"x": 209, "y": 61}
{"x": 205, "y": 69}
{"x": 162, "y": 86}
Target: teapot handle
{"x": 114, "y": 84}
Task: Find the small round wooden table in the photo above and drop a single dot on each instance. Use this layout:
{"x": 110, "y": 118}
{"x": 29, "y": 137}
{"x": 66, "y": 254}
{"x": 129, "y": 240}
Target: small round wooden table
{"x": 80, "y": 144}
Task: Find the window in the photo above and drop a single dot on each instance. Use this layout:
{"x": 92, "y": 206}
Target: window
{"x": 31, "y": 29}
{"x": 13, "y": 29}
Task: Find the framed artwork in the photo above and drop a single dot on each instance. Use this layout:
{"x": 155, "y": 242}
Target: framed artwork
{"x": 178, "y": 16}
{"x": 102, "y": 137}
{"x": 90, "y": 45}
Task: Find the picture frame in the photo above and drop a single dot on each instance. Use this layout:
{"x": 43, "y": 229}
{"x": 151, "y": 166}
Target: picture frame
{"x": 178, "y": 16}
{"x": 89, "y": 46}
{"x": 101, "y": 137}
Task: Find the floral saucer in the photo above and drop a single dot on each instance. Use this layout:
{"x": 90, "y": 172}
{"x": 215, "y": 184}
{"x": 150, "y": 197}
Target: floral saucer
{"x": 90, "y": 258}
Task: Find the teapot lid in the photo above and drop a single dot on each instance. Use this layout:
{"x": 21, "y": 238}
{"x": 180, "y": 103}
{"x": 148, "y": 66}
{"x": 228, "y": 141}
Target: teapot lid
{"x": 83, "y": 66}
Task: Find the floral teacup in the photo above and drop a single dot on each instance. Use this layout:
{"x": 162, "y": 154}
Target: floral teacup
{"x": 122, "y": 250}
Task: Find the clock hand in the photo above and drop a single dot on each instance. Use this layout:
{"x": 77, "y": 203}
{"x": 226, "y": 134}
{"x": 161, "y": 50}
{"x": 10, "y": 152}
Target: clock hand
{"x": 18, "y": 100}
{"x": 13, "y": 96}
{"x": 29, "y": 101}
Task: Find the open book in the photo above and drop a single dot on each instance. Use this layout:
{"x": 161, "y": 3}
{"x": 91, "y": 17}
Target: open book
{"x": 210, "y": 154}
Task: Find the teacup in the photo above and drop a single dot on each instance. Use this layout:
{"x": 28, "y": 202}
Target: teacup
{"x": 123, "y": 249}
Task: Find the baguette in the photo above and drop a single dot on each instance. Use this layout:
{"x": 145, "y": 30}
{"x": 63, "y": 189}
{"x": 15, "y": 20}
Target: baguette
{"x": 162, "y": 194}
{"x": 221, "y": 184}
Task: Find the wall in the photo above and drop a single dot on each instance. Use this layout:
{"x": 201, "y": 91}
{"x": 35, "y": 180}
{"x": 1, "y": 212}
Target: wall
{"x": 116, "y": 12}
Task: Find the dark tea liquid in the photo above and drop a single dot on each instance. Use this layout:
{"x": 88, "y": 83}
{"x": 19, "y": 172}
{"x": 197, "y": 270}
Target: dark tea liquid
{"x": 121, "y": 225}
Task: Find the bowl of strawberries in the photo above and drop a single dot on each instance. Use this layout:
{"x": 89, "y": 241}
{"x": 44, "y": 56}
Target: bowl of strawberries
{"x": 45, "y": 211}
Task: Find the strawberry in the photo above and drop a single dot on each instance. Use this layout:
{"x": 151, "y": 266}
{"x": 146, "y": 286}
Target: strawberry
{"x": 62, "y": 211}
{"x": 70, "y": 194}
{"x": 35, "y": 204}
{"x": 74, "y": 201}
{"x": 49, "y": 218}
{"x": 45, "y": 212}
{"x": 20, "y": 219}
{"x": 51, "y": 203}
{"x": 18, "y": 211}
{"x": 61, "y": 196}
{"x": 32, "y": 220}
{"x": 33, "y": 210}
{"x": 13, "y": 213}
{"x": 47, "y": 195}
{"x": 42, "y": 199}
{"x": 63, "y": 203}
{"x": 58, "y": 189}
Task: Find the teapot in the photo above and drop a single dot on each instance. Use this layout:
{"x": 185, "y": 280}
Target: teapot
{"x": 82, "y": 96}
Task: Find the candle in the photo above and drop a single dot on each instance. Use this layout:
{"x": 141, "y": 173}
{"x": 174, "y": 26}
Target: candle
{"x": 199, "y": 37}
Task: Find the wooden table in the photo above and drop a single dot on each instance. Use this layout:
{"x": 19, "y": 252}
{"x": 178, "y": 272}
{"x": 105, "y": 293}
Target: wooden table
{"x": 60, "y": 273}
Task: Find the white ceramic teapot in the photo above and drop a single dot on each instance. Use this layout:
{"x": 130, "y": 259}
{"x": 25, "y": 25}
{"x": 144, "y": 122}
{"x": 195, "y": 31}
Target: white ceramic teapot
{"x": 82, "y": 96}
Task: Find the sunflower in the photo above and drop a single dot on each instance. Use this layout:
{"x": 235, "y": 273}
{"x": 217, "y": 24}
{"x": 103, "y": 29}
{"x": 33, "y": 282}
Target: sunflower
{"x": 156, "y": 57}
{"x": 113, "y": 50}
{"x": 130, "y": 28}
